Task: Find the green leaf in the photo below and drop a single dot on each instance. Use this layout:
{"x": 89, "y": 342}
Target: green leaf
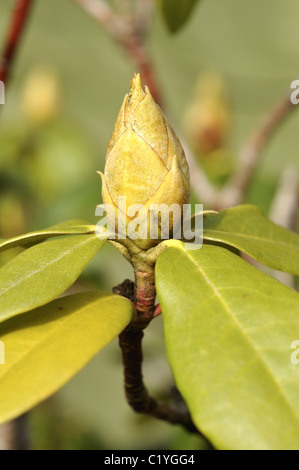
{"x": 71, "y": 227}
{"x": 247, "y": 229}
{"x": 176, "y": 12}
{"x": 49, "y": 345}
{"x": 43, "y": 272}
{"x": 228, "y": 330}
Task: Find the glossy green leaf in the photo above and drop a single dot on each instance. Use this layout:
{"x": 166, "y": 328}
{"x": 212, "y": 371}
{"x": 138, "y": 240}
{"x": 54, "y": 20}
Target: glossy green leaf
{"x": 229, "y": 329}
{"x": 43, "y": 272}
{"x": 70, "y": 227}
{"x": 247, "y": 229}
{"x": 49, "y": 345}
{"x": 176, "y": 12}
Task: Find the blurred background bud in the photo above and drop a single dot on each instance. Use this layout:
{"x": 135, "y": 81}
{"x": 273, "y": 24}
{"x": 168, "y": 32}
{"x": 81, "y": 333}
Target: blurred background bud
{"x": 208, "y": 117}
{"x": 207, "y": 123}
{"x": 12, "y": 216}
{"x": 41, "y": 95}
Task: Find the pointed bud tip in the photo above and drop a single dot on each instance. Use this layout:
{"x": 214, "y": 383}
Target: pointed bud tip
{"x": 136, "y": 88}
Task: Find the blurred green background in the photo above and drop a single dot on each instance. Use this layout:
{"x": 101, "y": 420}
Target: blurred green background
{"x": 48, "y": 164}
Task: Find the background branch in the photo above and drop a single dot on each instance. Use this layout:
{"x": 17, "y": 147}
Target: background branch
{"x": 284, "y": 210}
{"x": 100, "y": 11}
{"x": 234, "y": 192}
{"x": 15, "y": 33}
{"x": 251, "y": 153}
{"x": 14, "y": 434}
{"x": 130, "y": 32}
{"x": 203, "y": 189}
{"x": 144, "y": 11}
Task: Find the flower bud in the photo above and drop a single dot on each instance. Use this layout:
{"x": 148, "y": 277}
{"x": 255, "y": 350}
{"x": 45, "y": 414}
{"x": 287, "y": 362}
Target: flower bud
{"x": 41, "y": 96}
{"x": 145, "y": 161}
{"x": 207, "y": 119}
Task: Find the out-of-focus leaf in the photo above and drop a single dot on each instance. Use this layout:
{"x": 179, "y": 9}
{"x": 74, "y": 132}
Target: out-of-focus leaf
{"x": 176, "y": 12}
{"x": 70, "y": 227}
{"x": 49, "y": 345}
{"x": 228, "y": 330}
{"x": 247, "y": 229}
{"x": 43, "y": 272}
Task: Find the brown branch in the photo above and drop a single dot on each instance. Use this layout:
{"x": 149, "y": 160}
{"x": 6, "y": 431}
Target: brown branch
{"x": 203, "y": 189}
{"x": 137, "y": 395}
{"x": 284, "y": 206}
{"x": 130, "y": 341}
{"x": 234, "y": 192}
{"x": 100, "y": 11}
{"x": 144, "y": 10}
{"x": 14, "y": 434}
{"x": 251, "y": 153}
{"x": 145, "y": 296}
{"x": 284, "y": 210}
{"x": 129, "y": 34}
{"x": 139, "y": 54}
{"x": 19, "y": 19}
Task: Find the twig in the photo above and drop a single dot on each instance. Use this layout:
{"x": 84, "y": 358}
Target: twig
{"x": 234, "y": 192}
{"x": 103, "y": 14}
{"x": 205, "y": 191}
{"x": 144, "y": 10}
{"x": 251, "y": 153}
{"x": 7, "y": 436}
{"x": 127, "y": 32}
{"x": 130, "y": 341}
{"x": 139, "y": 54}
{"x": 137, "y": 395}
{"x": 130, "y": 34}
{"x": 284, "y": 210}
{"x": 19, "y": 19}
{"x": 285, "y": 203}
{"x": 14, "y": 434}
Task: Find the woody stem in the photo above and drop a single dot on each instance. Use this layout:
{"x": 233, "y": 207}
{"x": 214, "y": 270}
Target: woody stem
{"x": 137, "y": 395}
{"x": 143, "y": 294}
{"x": 19, "y": 19}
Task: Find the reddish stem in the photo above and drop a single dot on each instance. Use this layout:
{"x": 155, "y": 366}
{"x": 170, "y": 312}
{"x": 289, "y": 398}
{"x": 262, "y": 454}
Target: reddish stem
{"x": 145, "y": 296}
{"x": 130, "y": 34}
{"x": 158, "y": 311}
{"x": 19, "y": 18}
{"x": 139, "y": 54}
{"x": 130, "y": 341}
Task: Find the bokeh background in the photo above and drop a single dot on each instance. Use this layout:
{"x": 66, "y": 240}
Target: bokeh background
{"x": 68, "y": 84}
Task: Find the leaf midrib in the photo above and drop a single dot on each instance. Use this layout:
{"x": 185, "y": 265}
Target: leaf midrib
{"x": 60, "y": 322}
{"x": 48, "y": 234}
{"x": 266, "y": 240}
{"x": 43, "y": 267}
{"x": 251, "y": 344}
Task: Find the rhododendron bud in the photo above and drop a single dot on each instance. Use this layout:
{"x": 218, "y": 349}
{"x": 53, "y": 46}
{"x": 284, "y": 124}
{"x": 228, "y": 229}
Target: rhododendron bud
{"x": 41, "y": 96}
{"x": 208, "y": 117}
{"x": 145, "y": 161}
